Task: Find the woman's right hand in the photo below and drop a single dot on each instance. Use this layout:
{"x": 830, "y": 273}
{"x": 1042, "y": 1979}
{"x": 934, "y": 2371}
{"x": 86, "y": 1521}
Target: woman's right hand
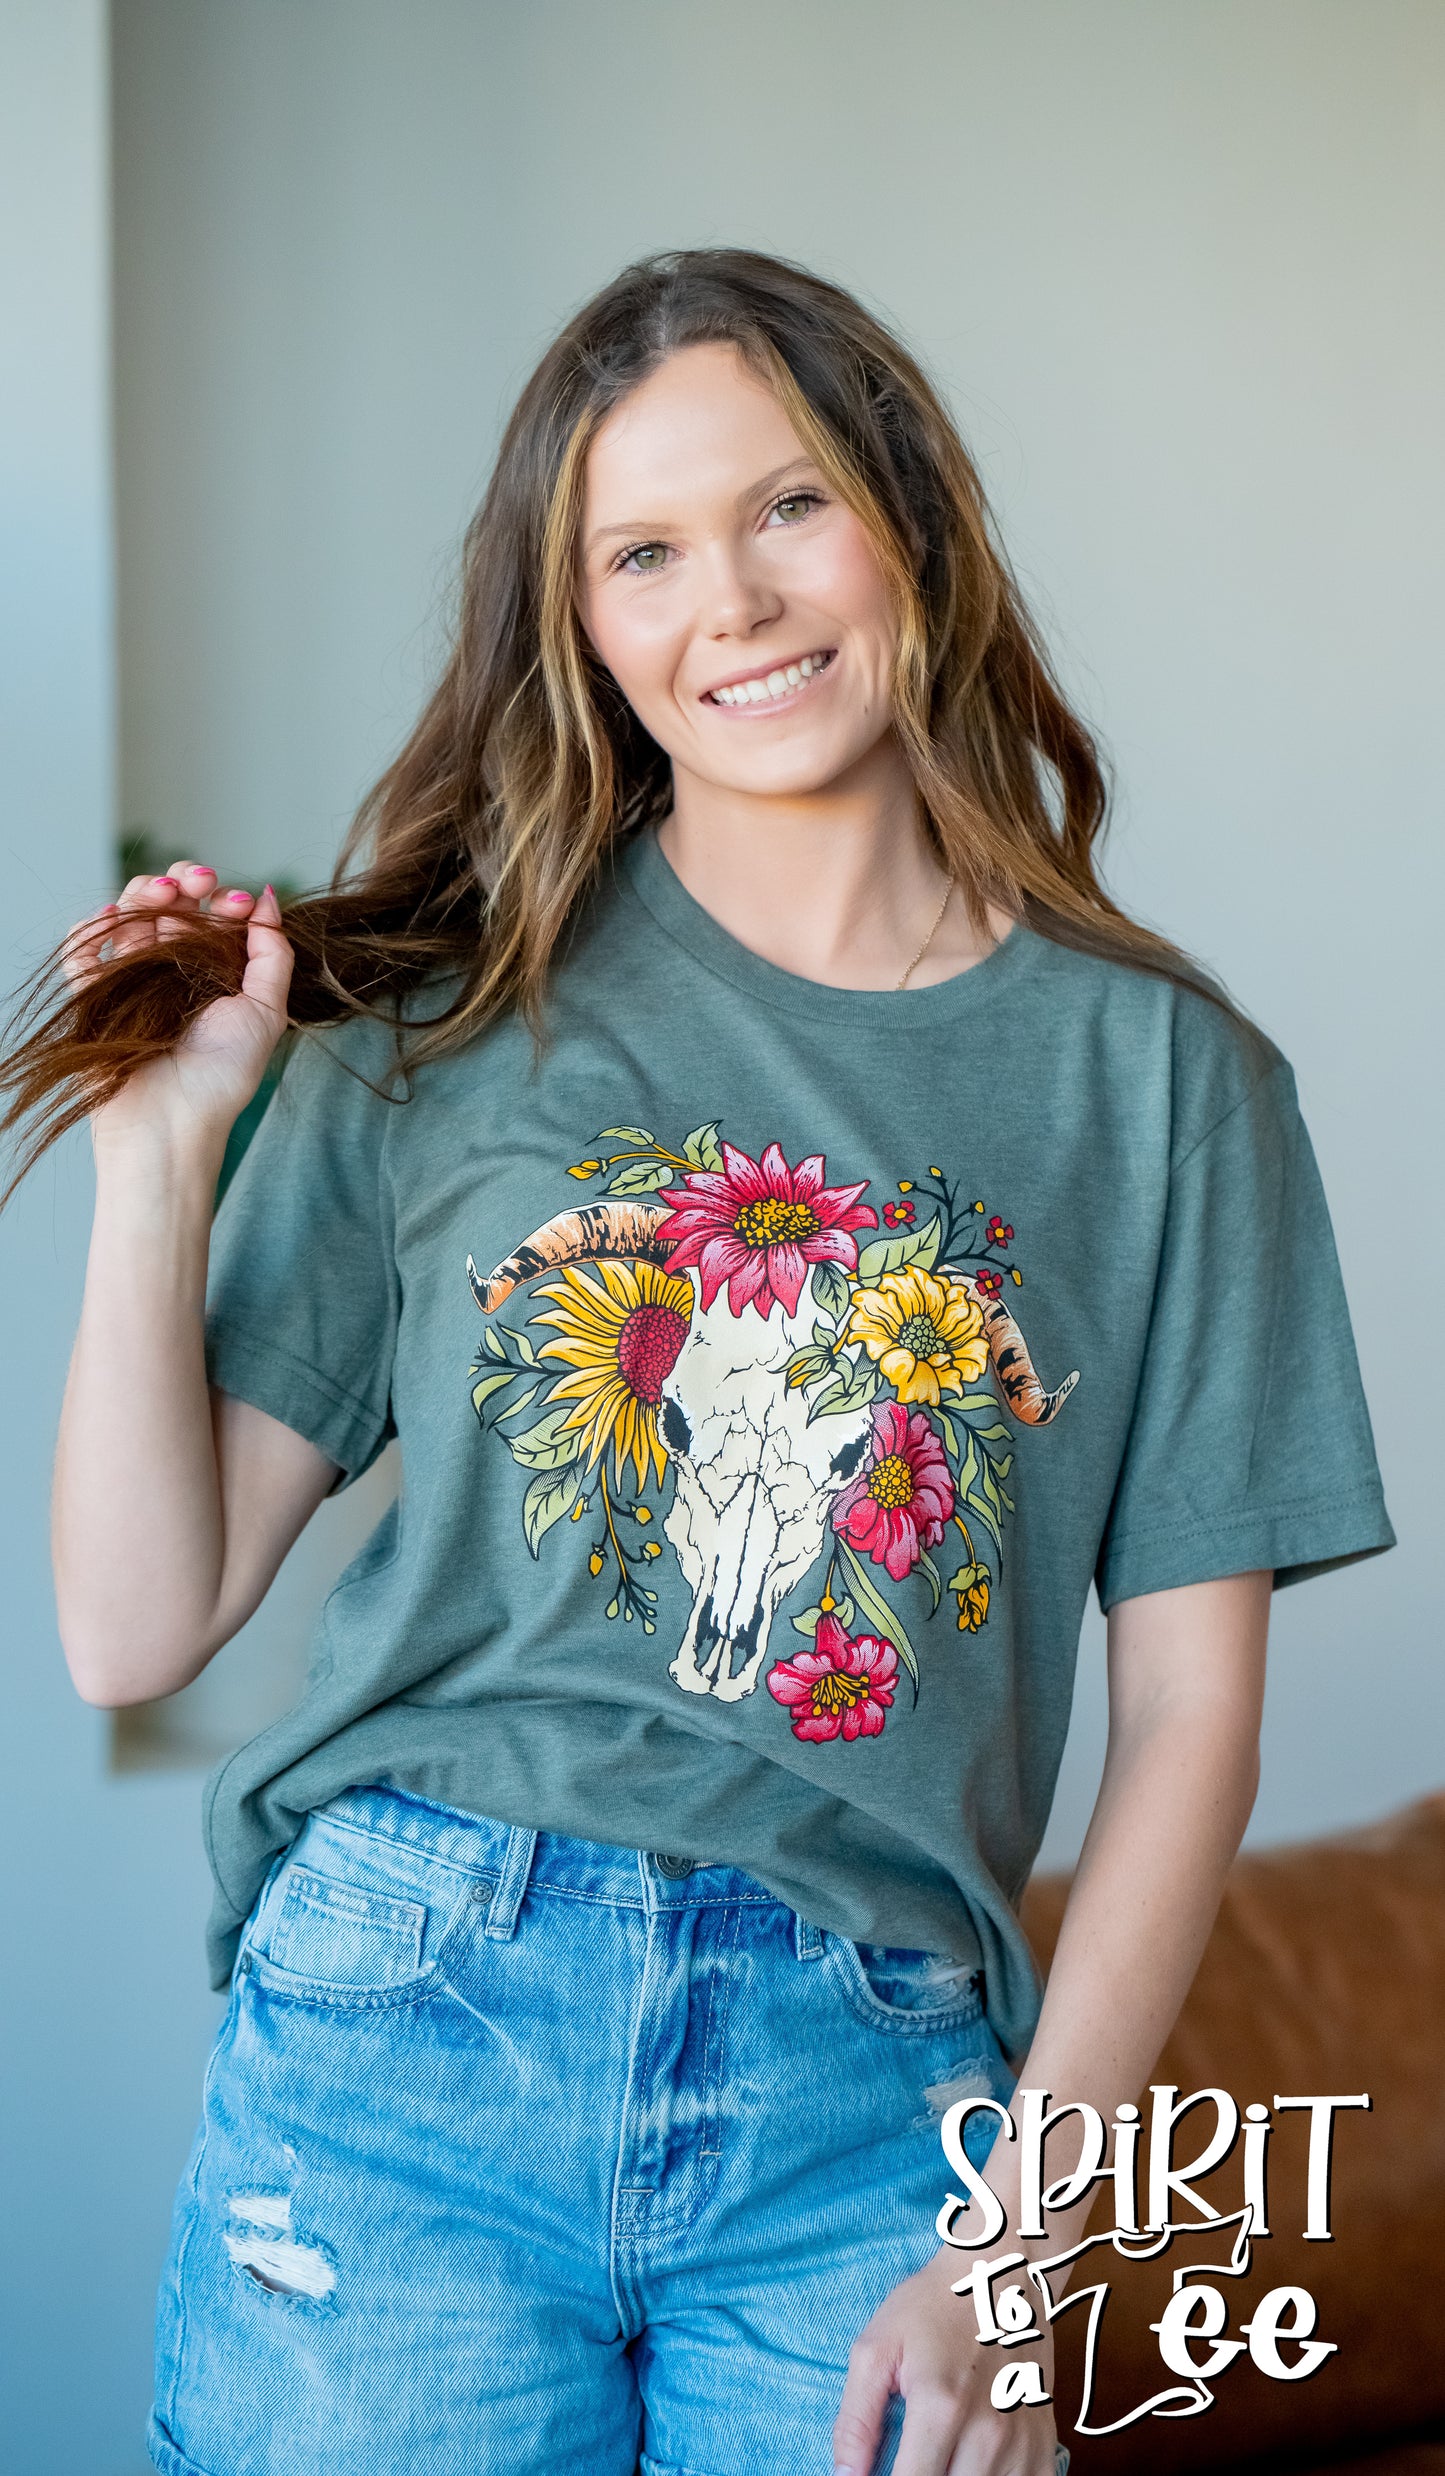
{"x": 201, "y": 1086}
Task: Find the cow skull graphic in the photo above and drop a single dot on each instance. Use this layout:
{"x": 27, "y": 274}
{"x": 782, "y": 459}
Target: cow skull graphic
{"x": 753, "y": 1478}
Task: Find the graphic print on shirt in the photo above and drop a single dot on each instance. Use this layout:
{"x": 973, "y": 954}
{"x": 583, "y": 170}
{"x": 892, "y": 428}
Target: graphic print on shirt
{"x": 723, "y": 1362}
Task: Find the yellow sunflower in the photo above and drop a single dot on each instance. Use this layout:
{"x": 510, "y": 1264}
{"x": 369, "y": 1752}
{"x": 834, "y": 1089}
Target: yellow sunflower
{"x": 622, "y": 1335}
{"x": 923, "y": 1330}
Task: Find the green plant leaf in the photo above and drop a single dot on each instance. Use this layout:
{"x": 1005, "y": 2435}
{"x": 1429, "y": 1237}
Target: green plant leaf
{"x": 948, "y": 1432}
{"x": 995, "y": 1434}
{"x": 976, "y": 1405}
{"x": 830, "y": 1290}
{"x": 625, "y": 1134}
{"x": 703, "y": 1149}
{"x": 807, "y": 1365}
{"x": 520, "y": 1403}
{"x": 496, "y": 1382}
{"x": 909, "y": 1246}
{"x": 525, "y": 1347}
{"x": 853, "y": 1390}
{"x": 638, "y": 1178}
{"x": 884, "y": 1620}
{"x": 493, "y": 1343}
{"x": 988, "y": 1518}
{"x": 969, "y": 1472}
{"x": 929, "y": 1571}
{"x": 549, "y": 1445}
{"x": 548, "y": 1496}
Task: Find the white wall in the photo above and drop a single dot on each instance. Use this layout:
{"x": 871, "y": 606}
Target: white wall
{"x": 1179, "y": 269}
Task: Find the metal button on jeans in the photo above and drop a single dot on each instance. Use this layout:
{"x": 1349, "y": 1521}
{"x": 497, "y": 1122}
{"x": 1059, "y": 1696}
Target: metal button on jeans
{"x": 677, "y": 1869}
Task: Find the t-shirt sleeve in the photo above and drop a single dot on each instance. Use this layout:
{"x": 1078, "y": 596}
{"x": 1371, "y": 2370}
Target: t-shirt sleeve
{"x": 1249, "y": 1447}
{"x": 302, "y": 1296}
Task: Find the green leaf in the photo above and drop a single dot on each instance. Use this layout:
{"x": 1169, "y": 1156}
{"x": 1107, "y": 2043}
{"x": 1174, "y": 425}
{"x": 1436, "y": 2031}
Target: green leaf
{"x": 969, "y": 1472}
{"x": 854, "y": 1389}
{"x": 988, "y": 1518}
{"x": 638, "y": 1178}
{"x": 884, "y": 1620}
{"x": 625, "y": 1134}
{"x": 493, "y": 1343}
{"x": 910, "y": 1246}
{"x": 830, "y": 1290}
{"x": 992, "y": 1435}
{"x": 807, "y": 1365}
{"x": 549, "y": 1445}
{"x": 612, "y": 1606}
{"x": 548, "y": 1497}
{"x": 929, "y": 1571}
{"x": 948, "y": 1432}
{"x": 525, "y": 1348}
{"x": 807, "y": 1621}
{"x": 976, "y": 1405}
{"x": 496, "y": 1382}
{"x": 703, "y": 1149}
{"x": 521, "y": 1401}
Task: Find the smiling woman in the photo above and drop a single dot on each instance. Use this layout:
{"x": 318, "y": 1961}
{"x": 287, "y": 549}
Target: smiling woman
{"x": 674, "y": 1753}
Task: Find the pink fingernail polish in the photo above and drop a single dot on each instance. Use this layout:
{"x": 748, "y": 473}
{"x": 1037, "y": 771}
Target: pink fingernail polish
{"x": 168, "y": 881}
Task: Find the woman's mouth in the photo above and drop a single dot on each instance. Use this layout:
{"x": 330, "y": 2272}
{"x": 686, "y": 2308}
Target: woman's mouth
{"x": 762, "y": 690}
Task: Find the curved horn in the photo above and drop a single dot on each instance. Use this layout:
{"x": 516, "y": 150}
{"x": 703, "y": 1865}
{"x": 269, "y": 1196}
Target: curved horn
{"x": 596, "y": 1230}
{"x": 1010, "y": 1354}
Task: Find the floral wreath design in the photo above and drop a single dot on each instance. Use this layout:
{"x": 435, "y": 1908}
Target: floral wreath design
{"x": 902, "y": 1333}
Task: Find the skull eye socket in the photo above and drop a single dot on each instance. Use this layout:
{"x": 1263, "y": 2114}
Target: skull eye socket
{"x": 676, "y": 1433}
{"x": 845, "y": 1461}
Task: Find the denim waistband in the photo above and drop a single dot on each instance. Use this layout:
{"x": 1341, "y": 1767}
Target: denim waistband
{"x": 521, "y": 1859}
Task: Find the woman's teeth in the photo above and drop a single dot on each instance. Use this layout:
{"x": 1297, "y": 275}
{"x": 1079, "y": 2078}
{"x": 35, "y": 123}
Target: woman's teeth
{"x": 777, "y": 683}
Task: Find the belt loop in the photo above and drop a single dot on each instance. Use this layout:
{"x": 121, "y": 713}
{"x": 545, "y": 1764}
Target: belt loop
{"x": 507, "y": 1898}
{"x": 809, "y": 1938}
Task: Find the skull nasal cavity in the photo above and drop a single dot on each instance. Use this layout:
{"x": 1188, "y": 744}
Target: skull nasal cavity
{"x": 772, "y": 1223}
{"x": 676, "y": 1433}
{"x": 647, "y": 1349}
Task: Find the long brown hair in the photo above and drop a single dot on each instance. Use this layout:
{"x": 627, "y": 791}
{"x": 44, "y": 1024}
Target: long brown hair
{"x": 473, "y": 851}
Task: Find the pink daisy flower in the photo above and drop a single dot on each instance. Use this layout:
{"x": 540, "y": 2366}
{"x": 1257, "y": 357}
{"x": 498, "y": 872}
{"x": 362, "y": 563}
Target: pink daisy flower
{"x": 903, "y": 1501}
{"x": 759, "y": 1225}
{"x": 841, "y": 1688}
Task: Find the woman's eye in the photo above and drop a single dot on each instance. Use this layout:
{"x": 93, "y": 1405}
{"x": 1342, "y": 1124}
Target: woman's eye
{"x": 646, "y": 559}
{"x": 795, "y": 506}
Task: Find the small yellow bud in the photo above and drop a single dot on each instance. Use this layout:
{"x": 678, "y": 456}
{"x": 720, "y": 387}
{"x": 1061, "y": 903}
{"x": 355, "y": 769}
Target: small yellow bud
{"x": 1018, "y": 1276}
{"x": 652, "y": 1547}
{"x": 978, "y": 1207}
{"x": 594, "y": 1564}
{"x": 584, "y": 1169}
{"x": 642, "y": 1513}
{"x": 579, "y": 1509}
{"x": 934, "y": 1171}
{"x": 905, "y": 1186}
{"x": 827, "y": 1603}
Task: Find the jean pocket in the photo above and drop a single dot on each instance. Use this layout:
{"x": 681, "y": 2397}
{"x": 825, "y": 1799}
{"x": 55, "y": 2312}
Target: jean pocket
{"x": 337, "y": 1935}
{"x": 352, "y": 1917}
{"x": 908, "y": 1991}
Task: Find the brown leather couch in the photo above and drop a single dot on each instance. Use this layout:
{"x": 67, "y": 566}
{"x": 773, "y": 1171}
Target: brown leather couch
{"x": 1325, "y": 1975}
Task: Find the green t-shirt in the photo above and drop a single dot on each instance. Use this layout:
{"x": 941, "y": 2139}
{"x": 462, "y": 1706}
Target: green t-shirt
{"x": 775, "y": 1367}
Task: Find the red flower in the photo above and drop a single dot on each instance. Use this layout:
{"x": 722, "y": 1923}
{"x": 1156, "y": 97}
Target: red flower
{"x": 758, "y": 1225}
{"x": 1000, "y": 1233}
{"x": 898, "y": 1216}
{"x": 903, "y": 1501}
{"x": 988, "y": 1283}
{"x": 841, "y": 1688}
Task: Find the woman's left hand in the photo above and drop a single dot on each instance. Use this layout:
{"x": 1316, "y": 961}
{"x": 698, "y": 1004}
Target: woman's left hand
{"x": 921, "y": 2342}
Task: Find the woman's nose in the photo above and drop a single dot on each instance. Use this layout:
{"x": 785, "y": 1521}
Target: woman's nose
{"x": 737, "y": 596}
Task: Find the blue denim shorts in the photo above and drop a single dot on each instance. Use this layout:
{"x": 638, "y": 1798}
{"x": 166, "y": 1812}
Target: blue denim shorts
{"x": 521, "y": 2153}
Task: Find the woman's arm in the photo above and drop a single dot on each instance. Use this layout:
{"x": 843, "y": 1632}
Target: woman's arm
{"x": 172, "y": 1509}
{"x": 1186, "y": 1684}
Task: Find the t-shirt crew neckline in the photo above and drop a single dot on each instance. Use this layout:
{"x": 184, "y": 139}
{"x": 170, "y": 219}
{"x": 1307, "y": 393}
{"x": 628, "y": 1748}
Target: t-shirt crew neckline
{"x": 663, "y": 894}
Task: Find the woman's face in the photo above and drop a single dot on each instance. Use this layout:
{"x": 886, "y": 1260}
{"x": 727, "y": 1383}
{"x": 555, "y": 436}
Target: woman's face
{"x": 736, "y": 601}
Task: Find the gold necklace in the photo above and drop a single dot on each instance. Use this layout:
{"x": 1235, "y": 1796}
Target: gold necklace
{"x": 933, "y": 932}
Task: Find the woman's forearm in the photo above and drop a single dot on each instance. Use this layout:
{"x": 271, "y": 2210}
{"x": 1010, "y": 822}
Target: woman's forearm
{"x": 136, "y": 1526}
{"x": 1186, "y": 1681}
